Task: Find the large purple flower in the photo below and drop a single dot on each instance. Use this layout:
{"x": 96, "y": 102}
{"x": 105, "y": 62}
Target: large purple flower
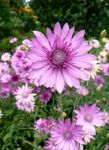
{"x": 59, "y": 59}
{"x": 65, "y": 135}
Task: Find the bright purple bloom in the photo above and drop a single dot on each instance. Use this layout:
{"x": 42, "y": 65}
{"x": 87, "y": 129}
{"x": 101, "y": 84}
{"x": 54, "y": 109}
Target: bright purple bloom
{"x": 106, "y": 69}
{"x": 45, "y": 96}
{"x": 66, "y": 135}
{"x": 90, "y": 117}
{"x": 99, "y": 81}
{"x": 60, "y": 58}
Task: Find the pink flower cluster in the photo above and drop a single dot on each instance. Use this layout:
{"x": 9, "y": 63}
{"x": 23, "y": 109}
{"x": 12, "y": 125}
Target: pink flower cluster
{"x": 67, "y": 135}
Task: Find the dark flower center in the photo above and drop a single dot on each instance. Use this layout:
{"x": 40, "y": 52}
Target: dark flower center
{"x": 67, "y": 135}
{"x": 88, "y": 118}
{"x": 58, "y": 57}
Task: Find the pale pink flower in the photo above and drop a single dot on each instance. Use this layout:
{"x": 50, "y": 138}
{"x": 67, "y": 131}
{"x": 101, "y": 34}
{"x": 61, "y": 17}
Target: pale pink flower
{"x": 89, "y": 117}
{"x": 106, "y": 117}
{"x": 106, "y": 69}
{"x": 13, "y": 40}
{"x": 60, "y": 58}
{"x": 6, "y": 57}
{"x": 83, "y": 91}
{"x": 87, "y": 136}
{"x": 94, "y": 43}
{"x": 107, "y": 46}
{"x": 25, "y": 99}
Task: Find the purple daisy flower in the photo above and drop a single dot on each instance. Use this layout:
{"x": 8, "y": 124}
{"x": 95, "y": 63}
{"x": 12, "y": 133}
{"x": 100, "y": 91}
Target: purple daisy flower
{"x": 99, "y": 81}
{"x": 45, "y": 96}
{"x": 60, "y": 58}
{"x": 66, "y": 135}
{"x": 90, "y": 117}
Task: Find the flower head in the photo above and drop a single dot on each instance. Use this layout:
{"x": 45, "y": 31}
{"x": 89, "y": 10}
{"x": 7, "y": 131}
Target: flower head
{"x": 66, "y": 135}
{"x": 59, "y": 59}
{"x": 106, "y": 69}
{"x": 25, "y": 98}
{"x": 40, "y": 124}
{"x": 45, "y": 96}
{"x": 83, "y": 91}
{"x": 6, "y": 57}
{"x": 13, "y": 40}
{"x": 94, "y": 69}
{"x": 89, "y": 117}
{"x": 94, "y": 43}
{"x": 99, "y": 81}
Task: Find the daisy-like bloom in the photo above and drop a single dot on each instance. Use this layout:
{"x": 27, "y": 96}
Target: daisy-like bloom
{"x": 66, "y": 135}
{"x": 106, "y": 69}
{"x": 6, "y": 57}
{"x": 92, "y": 71}
{"x": 87, "y": 136}
{"x": 59, "y": 59}
{"x": 106, "y": 117}
{"x": 45, "y": 96}
{"x": 94, "y": 43}
{"x": 1, "y": 114}
{"x": 107, "y": 46}
{"x": 25, "y": 98}
{"x": 89, "y": 117}
{"x": 13, "y": 40}
{"x": 83, "y": 91}
{"x": 99, "y": 81}
{"x": 44, "y": 125}
{"x": 40, "y": 124}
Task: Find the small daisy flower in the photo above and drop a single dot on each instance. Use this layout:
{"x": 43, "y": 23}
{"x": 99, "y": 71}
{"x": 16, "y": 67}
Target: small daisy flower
{"x": 92, "y": 71}
{"x": 106, "y": 69}
{"x": 6, "y": 57}
{"x": 99, "y": 81}
{"x": 13, "y": 40}
{"x": 94, "y": 43}
{"x": 45, "y": 96}
{"x": 83, "y": 91}
{"x": 90, "y": 117}
{"x": 40, "y": 124}
{"x": 106, "y": 117}
{"x": 25, "y": 98}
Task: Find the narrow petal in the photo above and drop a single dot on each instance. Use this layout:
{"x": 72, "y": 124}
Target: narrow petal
{"x": 59, "y": 82}
{"x": 42, "y": 39}
{"x": 57, "y": 29}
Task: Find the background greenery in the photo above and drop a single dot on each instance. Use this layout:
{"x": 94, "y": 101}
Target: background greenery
{"x": 91, "y": 15}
